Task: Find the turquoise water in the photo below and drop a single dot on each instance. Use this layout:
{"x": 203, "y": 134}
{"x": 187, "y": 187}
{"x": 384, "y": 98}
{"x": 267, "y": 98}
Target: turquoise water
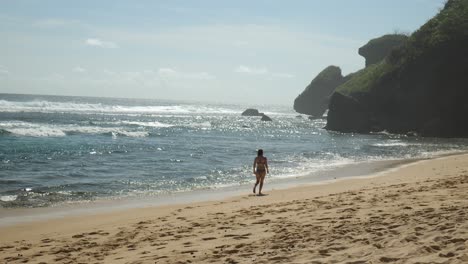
{"x": 57, "y": 150}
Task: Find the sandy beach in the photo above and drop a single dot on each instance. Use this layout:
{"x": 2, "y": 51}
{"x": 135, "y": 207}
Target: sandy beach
{"x": 416, "y": 213}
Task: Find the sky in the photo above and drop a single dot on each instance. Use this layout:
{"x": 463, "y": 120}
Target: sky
{"x": 242, "y": 51}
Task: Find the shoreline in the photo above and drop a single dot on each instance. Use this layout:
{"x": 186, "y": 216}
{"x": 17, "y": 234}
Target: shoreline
{"x": 415, "y": 212}
{"x": 15, "y": 216}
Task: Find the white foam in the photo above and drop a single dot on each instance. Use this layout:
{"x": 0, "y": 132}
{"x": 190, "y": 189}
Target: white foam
{"x": 311, "y": 165}
{"x": 47, "y": 130}
{"x": 8, "y": 198}
{"x": 31, "y": 129}
{"x": 392, "y": 144}
{"x": 72, "y": 107}
{"x": 202, "y": 125}
{"x": 147, "y": 124}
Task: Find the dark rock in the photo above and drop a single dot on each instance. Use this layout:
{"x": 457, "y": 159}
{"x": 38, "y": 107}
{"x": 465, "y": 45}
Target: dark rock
{"x": 377, "y": 49}
{"x": 314, "y": 99}
{"x": 346, "y": 114}
{"x": 251, "y": 112}
{"x": 266, "y": 118}
{"x": 298, "y": 116}
{"x": 314, "y": 117}
{"x": 419, "y": 88}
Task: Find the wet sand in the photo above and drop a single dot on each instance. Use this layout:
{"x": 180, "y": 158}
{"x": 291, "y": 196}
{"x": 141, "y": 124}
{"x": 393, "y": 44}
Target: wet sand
{"x": 416, "y": 213}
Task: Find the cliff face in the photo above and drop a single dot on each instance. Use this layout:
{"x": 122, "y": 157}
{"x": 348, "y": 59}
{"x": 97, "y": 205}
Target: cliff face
{"x": 314, "y": 100}
{"x": 377, "y": 49}
{"x": 420, "y": 87}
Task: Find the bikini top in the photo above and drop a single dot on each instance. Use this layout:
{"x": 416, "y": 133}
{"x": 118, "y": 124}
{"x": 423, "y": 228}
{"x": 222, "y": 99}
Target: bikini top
{"x": 261, "y": 162}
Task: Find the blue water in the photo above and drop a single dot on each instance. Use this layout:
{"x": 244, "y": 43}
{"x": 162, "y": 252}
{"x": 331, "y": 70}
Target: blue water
{"x": 57, "y": 149}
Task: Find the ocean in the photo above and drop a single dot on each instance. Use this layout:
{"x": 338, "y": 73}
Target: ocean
{"x": 59, "y": 150}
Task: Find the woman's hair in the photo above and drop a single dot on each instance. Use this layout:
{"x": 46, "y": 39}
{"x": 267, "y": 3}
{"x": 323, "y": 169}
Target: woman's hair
{"x": 260, "y": 152}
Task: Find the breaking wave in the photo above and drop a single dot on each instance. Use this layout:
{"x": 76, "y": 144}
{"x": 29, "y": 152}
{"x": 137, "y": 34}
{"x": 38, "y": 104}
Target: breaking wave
{"x": 72, "y": 107}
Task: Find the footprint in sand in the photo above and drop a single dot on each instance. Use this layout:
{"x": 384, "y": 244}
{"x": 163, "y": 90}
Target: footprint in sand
{"x": 209, "y": 238}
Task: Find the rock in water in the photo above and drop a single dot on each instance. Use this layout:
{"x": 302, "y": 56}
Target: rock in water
{"x": 251, "y": 112}
{"x": 266, "y": 118}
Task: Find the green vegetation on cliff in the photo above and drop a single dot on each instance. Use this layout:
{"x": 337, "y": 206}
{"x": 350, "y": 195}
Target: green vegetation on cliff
{"x": 450, "y": 24}
{"x": 420, "y": 87}
{"x": 364, "y": 79}
{"x": 377, "y": 49}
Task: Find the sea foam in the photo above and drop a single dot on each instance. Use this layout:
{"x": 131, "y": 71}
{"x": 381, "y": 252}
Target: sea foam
{"x": 72, "y": 107}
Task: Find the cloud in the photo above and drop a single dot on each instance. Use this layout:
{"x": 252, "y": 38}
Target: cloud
{"x": 283, "y": 75}
{"x": 79, "y": 69}
{"x": 4, "y": 71}
{"x": 174, "y": 74}
{"x": 108, "y": 72}
{"x": 240, "y": 43}
{"x": 100, "y": 43}
{"x": 60, "y": 23}
{"x": 51, "y": 23}
{"x": 261, "y": 71}
{"x": 54, "y": 77}
{"x": 200, "y": 76}
{"x": 167, "y": 72}
{"x": 251, "y": 70}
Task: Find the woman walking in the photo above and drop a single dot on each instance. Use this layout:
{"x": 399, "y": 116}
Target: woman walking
{"x": 260, "y": 169}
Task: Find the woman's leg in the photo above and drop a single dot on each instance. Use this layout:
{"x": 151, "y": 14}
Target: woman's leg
{"x": 257, "y": 175}
{"x": 262, "y": 177}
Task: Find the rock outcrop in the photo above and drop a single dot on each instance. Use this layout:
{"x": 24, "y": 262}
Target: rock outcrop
{"x": 314, "y": 99}
{"x": 377, "y": 49}
{"x": 419, "y": 88}
{"x": 251, "y": 112}
{"x": 266, "y": 118}
{"x": 355, "y": 119}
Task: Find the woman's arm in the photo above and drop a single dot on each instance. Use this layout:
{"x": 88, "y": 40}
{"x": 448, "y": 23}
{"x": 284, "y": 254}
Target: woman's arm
{"x": 255, "y": 161}
{"x": 266, "y": 165}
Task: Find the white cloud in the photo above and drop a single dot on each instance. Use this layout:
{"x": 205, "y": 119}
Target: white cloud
{"x": 56, "y": 23}
{"x": 108, "y": 72}
{"x": 174, "y": 74}
{"x": 240, "y": 43}
{"x": 4, "y": 71}
{"x": 100, "y": 43}
{"x": 54, "y": 77}
{"x": 251, "y": 70}
{"x": 200, "y": 76}
{"x": 167, "y": 72}
{"x": 283, "y": 75}
{"x": 261, "y": 71}
{"x": 50, "y": 23}
{"x": 79, "y": 69}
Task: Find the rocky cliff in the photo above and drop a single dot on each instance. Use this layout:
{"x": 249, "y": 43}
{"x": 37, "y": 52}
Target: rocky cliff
{"x": 377, "y": 49}
{"x": 314, "y": 100}
{"x": 420, "y": 87}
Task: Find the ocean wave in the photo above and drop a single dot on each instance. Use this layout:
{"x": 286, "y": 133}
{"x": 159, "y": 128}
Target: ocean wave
{"x": 72, "y": 107}
{"x": 392, "y": 144}
{"x": 4, "y": 132}
{"x": 311, "y": 162}
{"x": 8, "y": 198}
{"x": 147, "y": 124}
{"x": 21, "y": 128}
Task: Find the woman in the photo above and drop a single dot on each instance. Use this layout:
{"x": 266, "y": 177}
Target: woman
{"x": 260, "y": 169}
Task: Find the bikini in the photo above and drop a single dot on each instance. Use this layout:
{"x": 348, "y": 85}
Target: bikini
{"x": 260, "y": 168}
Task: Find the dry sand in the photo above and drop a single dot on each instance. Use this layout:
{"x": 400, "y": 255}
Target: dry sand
{"x": 413, "y": 214}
